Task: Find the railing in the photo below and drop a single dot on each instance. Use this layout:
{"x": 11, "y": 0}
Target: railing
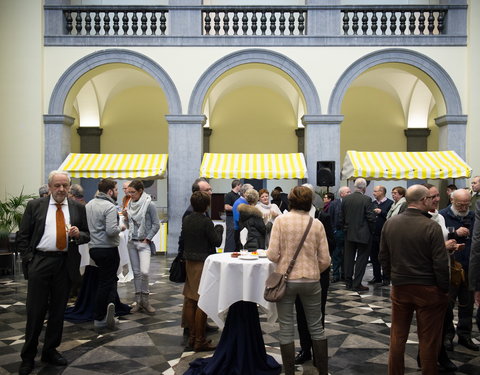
{"x": 254, "y": 21}
{"x": 105, "y": 21}
{"x": 374, "y": 21}
{"x": 310, "y": 25}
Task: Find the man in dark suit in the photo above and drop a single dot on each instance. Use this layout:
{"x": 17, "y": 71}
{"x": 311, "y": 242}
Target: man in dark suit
{"x": 359, "y": 220}
{"x": 50, "y": 227}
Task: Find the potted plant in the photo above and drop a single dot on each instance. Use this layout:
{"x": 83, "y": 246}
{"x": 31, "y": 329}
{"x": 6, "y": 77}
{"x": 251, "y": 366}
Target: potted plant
{"x": 11, "y": 213}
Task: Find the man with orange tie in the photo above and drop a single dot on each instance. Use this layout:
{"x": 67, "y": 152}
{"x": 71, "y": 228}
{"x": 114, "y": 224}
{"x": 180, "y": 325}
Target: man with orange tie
{"x": 50, "y": 227}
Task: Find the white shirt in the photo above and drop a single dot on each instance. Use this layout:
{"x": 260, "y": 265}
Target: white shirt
{"x": 49, "y": 238}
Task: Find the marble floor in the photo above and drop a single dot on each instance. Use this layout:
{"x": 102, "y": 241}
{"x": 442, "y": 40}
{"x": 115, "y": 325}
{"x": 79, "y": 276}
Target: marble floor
{"x": 357, "y": 327}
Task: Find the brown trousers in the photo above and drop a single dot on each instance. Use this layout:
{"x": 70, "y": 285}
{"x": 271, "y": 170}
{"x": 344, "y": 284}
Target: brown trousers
{"x": 429, "y": 303}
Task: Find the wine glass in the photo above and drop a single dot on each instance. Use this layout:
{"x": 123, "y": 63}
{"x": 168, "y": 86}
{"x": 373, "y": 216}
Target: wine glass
{"x": 67, "y": 228}
{"x": 243, "y": 238}
{"x": 451, "y": 233}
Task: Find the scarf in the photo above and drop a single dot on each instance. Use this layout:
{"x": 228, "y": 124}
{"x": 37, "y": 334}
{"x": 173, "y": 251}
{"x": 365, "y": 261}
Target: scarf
{"x": 137, "y": 211}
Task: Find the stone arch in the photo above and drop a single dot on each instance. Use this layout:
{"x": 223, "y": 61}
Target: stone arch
{"x": 89, "y": 62}
{"x": 396, "y": 55}
{"x": 247, "y": 56}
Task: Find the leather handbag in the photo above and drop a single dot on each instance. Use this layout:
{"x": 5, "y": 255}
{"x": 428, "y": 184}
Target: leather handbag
{"x": 178, "y": 273}
{"x": 276, "y": 283}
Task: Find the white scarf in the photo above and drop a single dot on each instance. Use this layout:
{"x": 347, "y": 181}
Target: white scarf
{"x": 137, "y": 211}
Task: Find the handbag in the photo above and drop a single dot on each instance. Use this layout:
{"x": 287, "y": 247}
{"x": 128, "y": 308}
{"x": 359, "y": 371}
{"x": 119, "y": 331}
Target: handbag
{"x": 276, "y": 283}
{"x": 178, "y": 273}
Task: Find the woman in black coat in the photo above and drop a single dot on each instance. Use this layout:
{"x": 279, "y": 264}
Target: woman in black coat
{"x": 252, "y": 219}
{"x": 200, "y": 238}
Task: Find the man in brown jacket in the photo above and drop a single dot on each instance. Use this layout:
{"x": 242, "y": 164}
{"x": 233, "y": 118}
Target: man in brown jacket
{"x": 413, "y": 255}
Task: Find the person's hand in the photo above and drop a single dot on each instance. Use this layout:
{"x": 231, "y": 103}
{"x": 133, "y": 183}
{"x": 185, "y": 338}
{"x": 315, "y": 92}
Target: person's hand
{"x": 377, "y": 210}
{"x": 460, "y": 247}
{"x": 451, "y": 245}
{"x": 74, "y": 232}
{"x": 125, "y": 214}
{"x": 462, "y": 232}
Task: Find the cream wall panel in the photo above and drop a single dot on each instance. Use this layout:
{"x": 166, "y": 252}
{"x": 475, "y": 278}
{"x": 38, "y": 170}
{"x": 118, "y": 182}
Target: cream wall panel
{"x": 21, "y": 129}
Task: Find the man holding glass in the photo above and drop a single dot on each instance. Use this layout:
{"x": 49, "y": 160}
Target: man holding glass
{"x": 44, "y": 242}
{"x": 459, "y": 220}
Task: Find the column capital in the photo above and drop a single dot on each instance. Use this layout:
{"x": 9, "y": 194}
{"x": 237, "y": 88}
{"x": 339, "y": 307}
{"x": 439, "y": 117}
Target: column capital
{"x": 186, "y": 119}
{"x": 417, "y": 132}
{"x": 322, "y": 119}
{"x": 451, "y": 120}
{"x": 89, "y": 131}
{"x": 58, "y": 119}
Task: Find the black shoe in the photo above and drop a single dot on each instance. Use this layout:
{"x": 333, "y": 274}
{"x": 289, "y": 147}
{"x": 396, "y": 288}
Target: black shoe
{"x": 468, "y": 343}
{"x": 302, "y": 357}
{"x": 361, "y": 288}
{"x": 211, "y": 328}
{"x": 375, "y": 281}
{"x": 54, "y": 358}
{"x": 348, "y": 285}
{"x": 386, "y": 282}
{"x": 26, "y": 367}
{"x": 447, "y": 365}
{"x": 448, "y": 344}
{"x": 335, "y": 280}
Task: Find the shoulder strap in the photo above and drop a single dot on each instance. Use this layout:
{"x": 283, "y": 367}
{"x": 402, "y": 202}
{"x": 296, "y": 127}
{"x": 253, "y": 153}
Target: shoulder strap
{"x": 292, "y": 262}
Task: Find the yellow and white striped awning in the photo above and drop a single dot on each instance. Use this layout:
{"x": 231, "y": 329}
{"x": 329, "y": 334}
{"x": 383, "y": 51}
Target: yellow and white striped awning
{"x": 269, "y": 166}
{"x": 152, "y": 166}
{"x": 404, "y": 165}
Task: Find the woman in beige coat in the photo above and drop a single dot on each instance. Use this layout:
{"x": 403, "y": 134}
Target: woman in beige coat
{"x": 303, "y": 280}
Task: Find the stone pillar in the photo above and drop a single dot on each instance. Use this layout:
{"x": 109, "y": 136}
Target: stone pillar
{"x": 207, "y": 132}
{"x": 417, "y": 139}
{"x": 57, "y": 141}
{"x": 452, "y": 137}
{"x": 300, "y": 133}
{"x": 185, "y": 18}
{"x": 90, "y": 139}
{"x": 322, "y": 143}
{"x": 185, "y": 151}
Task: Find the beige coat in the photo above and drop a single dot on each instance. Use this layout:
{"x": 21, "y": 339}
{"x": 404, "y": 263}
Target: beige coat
{"x": 287, "y": 232}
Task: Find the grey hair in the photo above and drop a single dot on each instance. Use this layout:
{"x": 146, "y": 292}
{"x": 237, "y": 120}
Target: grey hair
{"x": 76, "y": 190}
{"x": 244, "y": 188}
{"x": 251, "y": 195}
{"x": 52, "y": 174}
{"x": 310, "y": 186}
{"x": 360, "y": 184}
{"x": 43, "y": 190}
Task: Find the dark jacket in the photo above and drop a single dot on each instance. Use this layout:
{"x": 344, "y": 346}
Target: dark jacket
{"x": 358, "y": 217}
{"x": 381, "y": 218}
{"x": 252, "y": 219}
{"x": 412, "y": 251}
{"x": 200, "y": 236}
{"x": 474, "y": 272}
{"x": 468, "y": 222}
{"x": 327, "y": 224}
{"x": 33, "y": 226}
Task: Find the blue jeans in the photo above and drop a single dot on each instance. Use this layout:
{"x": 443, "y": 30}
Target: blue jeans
{"x": 337, "y": 256}
{"x": 311, "y": 296}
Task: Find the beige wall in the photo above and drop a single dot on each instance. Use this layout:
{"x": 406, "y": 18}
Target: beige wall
{"x": 253, "y": 120}
{"x": 21, "y": 103}
{"x": 134, "y": 122}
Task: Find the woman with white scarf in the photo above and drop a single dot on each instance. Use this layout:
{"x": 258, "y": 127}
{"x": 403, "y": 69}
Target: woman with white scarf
{"x": 269, "y": 210}
{"x": 143, "y": 224}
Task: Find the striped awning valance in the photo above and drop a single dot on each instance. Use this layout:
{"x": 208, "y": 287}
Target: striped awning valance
{"x": 260, "y": 166}
{"x": 145, "y": 166}
{"x": 404, "y": 165}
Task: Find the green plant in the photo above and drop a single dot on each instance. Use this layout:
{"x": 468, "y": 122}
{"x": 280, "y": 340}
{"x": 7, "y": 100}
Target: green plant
{"x": 11, "y": 213}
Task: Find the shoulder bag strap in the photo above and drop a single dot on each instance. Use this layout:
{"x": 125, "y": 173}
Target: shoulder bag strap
{"x": 292, "y": 262}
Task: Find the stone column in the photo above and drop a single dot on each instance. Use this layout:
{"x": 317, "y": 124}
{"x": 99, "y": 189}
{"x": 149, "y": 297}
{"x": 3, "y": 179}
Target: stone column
{"x": 57, "y": 141}
{"x": 185, "y": 151}
{"x": 90, "y": 139}
{"x": 322, "y": 143}
{"x": 452, "y": 137}
{"x": 417, "y": 139}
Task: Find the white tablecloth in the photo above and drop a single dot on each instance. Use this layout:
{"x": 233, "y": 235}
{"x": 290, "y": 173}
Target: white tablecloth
{"x": 226, "y": 280}
{"x": 124, "y": 271}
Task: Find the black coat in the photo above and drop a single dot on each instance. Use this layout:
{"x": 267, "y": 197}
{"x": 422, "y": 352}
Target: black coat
{"x": 252, "y": 219}
{"x": 200, "y": 236}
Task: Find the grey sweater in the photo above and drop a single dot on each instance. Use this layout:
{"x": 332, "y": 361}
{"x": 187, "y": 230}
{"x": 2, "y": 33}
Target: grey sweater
{"x": 103, "y": 223}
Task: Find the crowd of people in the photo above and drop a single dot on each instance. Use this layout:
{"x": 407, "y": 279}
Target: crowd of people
{"x": 429, "y": 257}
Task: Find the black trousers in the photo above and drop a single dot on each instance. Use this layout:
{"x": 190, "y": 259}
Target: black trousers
{"x": 356, "y": 259}
{"x": 303, "y": 334}
{"x": 48, "y": 288}
{"x": 107, "y": 260}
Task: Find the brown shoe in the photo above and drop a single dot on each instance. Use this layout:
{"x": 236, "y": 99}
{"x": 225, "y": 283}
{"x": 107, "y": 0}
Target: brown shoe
{"x": 362, "y": 288}
{"x": 205, "y": 346}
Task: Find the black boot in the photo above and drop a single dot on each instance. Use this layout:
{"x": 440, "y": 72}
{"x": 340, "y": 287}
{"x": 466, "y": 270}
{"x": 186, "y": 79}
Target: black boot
{"x": 445, "y": 362}
{"x": 302, "y": 357}
{"x": 320, "y": 356}
{"x": 288, "y": 358}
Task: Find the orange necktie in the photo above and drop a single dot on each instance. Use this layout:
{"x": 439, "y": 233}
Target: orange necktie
{"x": 61, "y": 229}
